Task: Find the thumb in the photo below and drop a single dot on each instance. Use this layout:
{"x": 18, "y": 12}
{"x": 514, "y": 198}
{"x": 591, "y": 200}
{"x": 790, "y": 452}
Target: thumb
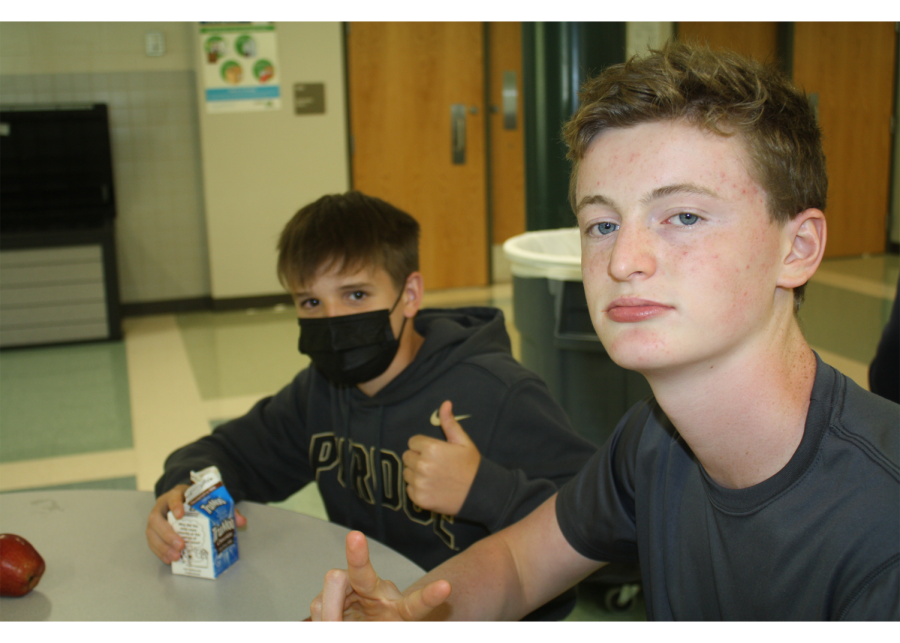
{"x": 418, "y": 605}
{"x": 452, "y": 428}
{"x": 239, "y": 519}
{"x": 362, "y": 574}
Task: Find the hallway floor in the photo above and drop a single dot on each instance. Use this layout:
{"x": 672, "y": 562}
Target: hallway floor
{"x": 105, "y": 415}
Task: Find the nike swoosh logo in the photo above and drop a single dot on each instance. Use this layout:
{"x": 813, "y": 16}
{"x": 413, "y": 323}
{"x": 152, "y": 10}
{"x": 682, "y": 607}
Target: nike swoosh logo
{"x": 436, "y": 421}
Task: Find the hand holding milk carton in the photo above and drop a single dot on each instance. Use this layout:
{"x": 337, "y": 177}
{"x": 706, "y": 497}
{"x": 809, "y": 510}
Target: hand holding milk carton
{"x": 207, "y": 527}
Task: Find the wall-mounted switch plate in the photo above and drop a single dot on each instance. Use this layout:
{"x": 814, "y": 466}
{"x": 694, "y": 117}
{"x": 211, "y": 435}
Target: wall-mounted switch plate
{"x": 155, "y": 43}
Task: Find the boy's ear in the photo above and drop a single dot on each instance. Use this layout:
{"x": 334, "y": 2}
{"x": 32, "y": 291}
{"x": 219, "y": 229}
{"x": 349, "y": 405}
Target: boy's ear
{"x": 413, "y": 290}
{"x": 804, "y": 241}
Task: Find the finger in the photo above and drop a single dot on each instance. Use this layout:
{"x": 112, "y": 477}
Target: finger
{"x": 411, "y": 459}
{"x": 418, "y": 605}
{"x": 315, "y": 608}
{"x": 176, "y": 504}
{"x": 157, "y": 546}
{"x": 362, "y": 575}
{"x": 452, "y": 428}
{"x": 412, "y": 492}
{"x": 419, "y": 443}
{"x": 334, "y": 593}
{"x": 163, "y": 540}
{"x": 239, "y": 519}
{"x": 177, "y": 509}
{"x": 159, "y": 524}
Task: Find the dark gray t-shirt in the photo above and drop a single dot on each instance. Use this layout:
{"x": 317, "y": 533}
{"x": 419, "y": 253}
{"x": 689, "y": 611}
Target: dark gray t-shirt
{"x": 818, "y": 540}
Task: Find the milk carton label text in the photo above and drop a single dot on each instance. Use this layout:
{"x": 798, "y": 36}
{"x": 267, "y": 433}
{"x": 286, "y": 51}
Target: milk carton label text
{"x": 207, "y": 528}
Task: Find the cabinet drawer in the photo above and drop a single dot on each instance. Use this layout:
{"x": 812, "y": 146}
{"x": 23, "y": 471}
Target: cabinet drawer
{"x": 43, "y": 256}
{"x": 51, "y": 295}
{"x": 49, "y": 274}
{"x": 53, "y": 334}
{"x": 58, "y": 315}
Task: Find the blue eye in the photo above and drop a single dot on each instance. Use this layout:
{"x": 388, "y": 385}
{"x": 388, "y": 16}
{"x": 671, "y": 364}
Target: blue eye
{"x": 686, "y": 218}
{"x": 606, "y": 227}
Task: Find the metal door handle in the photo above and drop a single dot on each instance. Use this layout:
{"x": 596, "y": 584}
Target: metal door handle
{"x": 458, "y": 133}
{"x": 510, "y": 95}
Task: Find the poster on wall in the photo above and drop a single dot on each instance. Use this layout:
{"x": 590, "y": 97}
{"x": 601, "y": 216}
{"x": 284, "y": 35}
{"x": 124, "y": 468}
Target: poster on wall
{"x": 240, "y": 67}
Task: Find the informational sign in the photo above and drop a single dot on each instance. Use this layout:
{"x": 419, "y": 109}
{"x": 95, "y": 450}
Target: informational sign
{"x": 309, "y": 98}
{"x": 240, "y": 67}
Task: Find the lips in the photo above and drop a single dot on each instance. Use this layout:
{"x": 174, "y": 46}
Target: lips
{"x": 629, "y": 310}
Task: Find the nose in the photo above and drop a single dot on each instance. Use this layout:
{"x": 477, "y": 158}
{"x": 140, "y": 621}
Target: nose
{"x": 632, "y": 255}
{"x": 331, "y": 309}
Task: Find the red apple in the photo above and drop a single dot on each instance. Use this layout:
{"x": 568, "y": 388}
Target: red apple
{"x": 21, "y": 567}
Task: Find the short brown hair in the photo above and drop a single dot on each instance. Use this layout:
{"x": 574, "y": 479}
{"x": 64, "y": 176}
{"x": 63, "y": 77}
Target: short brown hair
{"x": 352, "y": 231}
{"x": 720, "y": 92}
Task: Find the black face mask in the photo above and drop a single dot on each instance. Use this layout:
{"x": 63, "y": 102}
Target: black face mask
{"x": 351, "y": 349}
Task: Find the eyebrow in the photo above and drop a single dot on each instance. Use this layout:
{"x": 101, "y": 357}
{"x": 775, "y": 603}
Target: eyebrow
{"x": 658, "y": 193}
{"x": 595, "y": 199}
{"x": 679, "y": 188}
{"x": 345, "y": 288}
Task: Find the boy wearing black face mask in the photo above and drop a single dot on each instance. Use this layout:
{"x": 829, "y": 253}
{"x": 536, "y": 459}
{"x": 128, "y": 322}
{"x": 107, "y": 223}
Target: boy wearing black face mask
{"x": 418, "y": 425}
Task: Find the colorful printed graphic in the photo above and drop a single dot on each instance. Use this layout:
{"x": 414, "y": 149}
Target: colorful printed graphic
{"x": 215, "y": 48}
{"x": 245, "y": 46}
{"x": 240, "y": 68}
{"x": 263, "y": 70}
{"x": 231, "y": 72}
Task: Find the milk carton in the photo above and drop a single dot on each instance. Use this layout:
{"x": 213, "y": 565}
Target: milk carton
{"x": 207, "y": 528}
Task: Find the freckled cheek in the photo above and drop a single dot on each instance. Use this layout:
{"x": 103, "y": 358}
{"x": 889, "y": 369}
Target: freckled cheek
{"x": 595, "y": 276}
{"x": 594, "y": 260}
{"x": 738, "y": 292}
{"x": 713, "y": 283}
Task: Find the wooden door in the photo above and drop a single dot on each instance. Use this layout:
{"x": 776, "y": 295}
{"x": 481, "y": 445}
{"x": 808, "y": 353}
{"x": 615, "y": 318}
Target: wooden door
{"x": 758, "y": 40}
{"x": 507, "y": 153}
{"x": 403, "y": 79}
{"x": 849, "y": 66}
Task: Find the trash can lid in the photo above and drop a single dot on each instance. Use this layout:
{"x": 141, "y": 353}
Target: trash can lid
{"x": 553, "y": 254}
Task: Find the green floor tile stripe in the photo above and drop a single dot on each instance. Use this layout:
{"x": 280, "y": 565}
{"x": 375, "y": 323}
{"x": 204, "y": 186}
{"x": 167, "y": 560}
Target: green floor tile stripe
{"x": 65, "y": 400}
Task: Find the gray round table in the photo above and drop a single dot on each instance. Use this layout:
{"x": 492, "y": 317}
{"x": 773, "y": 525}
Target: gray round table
{"x": 99, "y": 567}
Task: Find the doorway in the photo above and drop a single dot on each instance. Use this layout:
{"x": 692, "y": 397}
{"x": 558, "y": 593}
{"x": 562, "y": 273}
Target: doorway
{"x": 848, "y": 71}
{"x": 431, "y": 133}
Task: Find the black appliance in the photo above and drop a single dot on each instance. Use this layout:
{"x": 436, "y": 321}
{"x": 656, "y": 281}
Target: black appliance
{"x": 58, "y": 273}
{"x": 55, "y": 168}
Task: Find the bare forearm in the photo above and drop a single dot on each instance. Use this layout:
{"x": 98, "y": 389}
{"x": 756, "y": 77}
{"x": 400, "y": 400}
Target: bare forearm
{"x": 503, "y": 577}
{"x": 485, "y": 584}
{"x": 511, "y": 573}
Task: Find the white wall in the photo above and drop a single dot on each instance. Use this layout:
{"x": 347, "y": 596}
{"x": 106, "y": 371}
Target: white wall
{"x": 160, "y": 223}
{"x": 97, "y": 47}
{"x": 259, "y": 168}
{"x": 200, "y": 198}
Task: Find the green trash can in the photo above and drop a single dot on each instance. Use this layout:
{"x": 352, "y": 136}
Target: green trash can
{"x": 558, "y": 340}
{"x": 559, "y": 343}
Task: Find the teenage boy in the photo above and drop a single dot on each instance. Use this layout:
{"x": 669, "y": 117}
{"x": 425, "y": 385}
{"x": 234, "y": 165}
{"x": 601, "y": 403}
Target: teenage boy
{"x": 757, "y": 482}
{"x": 372, "y": 420}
